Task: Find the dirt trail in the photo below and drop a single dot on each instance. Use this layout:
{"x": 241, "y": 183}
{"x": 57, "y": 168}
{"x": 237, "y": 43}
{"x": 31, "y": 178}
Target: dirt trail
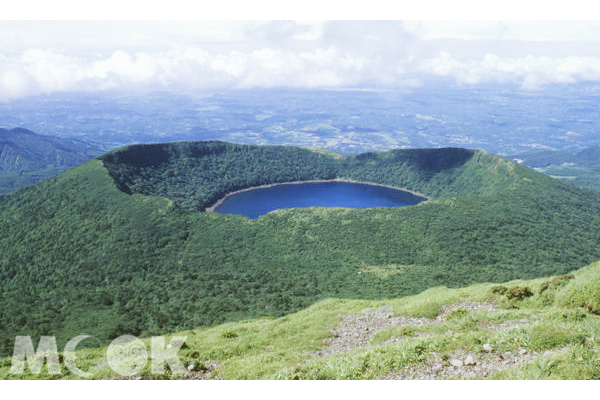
{"x": 357, "y": 330}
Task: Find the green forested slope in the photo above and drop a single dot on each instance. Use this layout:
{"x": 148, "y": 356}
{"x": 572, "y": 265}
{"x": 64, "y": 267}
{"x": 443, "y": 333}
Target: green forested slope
{"x": 78, "y": 255}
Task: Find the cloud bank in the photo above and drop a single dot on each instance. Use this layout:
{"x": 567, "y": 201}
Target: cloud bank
{"x": 387, "y": 55}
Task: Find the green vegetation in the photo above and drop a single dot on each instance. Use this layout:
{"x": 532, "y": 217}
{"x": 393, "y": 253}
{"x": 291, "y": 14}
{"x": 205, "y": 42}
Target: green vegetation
{"x": 113, "y": 247}
{"x": 562, "y": 335}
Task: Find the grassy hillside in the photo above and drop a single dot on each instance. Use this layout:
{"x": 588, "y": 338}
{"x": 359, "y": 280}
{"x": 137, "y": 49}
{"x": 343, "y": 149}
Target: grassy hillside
{"x": 113, "y": 246}
{"x": 27, "y": 158}
{"x": 545, "y": 328}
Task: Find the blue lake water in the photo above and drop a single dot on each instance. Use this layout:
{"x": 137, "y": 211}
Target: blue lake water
{"x": 257, "y": 202}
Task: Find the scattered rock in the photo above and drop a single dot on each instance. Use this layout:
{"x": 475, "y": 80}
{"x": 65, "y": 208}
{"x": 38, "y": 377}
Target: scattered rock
{"x": 470, "y": 360}
{"x": 488, "y": 347}
{"x": 198, "y": 371}
{"x": 486, "y": 364}
{"x": 522, "y": 351}
{"x": 456, "y": 363}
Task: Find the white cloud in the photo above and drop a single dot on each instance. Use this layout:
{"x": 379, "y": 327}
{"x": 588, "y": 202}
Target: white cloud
{"x": 530, "y": 72}
{"x": 336, "y": 54}
{"x": 185, "y": 68}
{"x": 43, "y": 71}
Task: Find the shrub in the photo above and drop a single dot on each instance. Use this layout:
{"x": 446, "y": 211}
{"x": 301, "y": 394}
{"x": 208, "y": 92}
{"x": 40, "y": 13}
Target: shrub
{"x": 518, "y": 293}
{"x": 499, "y": 289}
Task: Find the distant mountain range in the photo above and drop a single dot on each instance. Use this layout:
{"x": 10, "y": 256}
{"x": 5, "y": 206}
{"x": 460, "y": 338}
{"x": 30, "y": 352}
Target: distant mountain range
{"x": 580, "y": 168}
{"x": 589, "y": 157}
{"x": 26, "y": 157}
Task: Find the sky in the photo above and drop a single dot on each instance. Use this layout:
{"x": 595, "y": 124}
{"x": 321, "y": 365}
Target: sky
{"x": 42, "y": 57}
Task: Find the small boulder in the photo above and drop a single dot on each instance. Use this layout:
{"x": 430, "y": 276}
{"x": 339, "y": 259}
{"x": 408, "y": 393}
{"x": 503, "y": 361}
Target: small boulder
{"x": 456, "y": 363}
{"x": 522, "y": 351}
{"x": 191, "y": 367}
{"x": 470, "y": 360}
{"x": 436, "y": 367}
{"x": 488, "y": 347}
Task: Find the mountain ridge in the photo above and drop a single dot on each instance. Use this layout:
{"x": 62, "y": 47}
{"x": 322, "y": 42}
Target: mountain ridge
{"x": 27, "y": 157}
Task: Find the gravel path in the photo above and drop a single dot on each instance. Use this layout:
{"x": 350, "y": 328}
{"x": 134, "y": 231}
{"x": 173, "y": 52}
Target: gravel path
{"x": 357, "y": 330}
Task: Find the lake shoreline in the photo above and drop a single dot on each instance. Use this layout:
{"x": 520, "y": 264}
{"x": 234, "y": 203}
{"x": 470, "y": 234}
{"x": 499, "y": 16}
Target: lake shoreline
{"x": 222, "y": 199}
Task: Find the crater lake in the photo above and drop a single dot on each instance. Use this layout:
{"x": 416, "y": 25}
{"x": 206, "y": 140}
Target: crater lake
{"x": 254, "y": 202}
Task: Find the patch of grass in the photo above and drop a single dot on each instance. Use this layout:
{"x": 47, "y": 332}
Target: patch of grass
{"x": 384, "y": 271}
{"x": 458, "y": 313}
{"x": 556, "y": 282}
{"x": 583, "y": 290}
{"x": 404, "y": 331}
